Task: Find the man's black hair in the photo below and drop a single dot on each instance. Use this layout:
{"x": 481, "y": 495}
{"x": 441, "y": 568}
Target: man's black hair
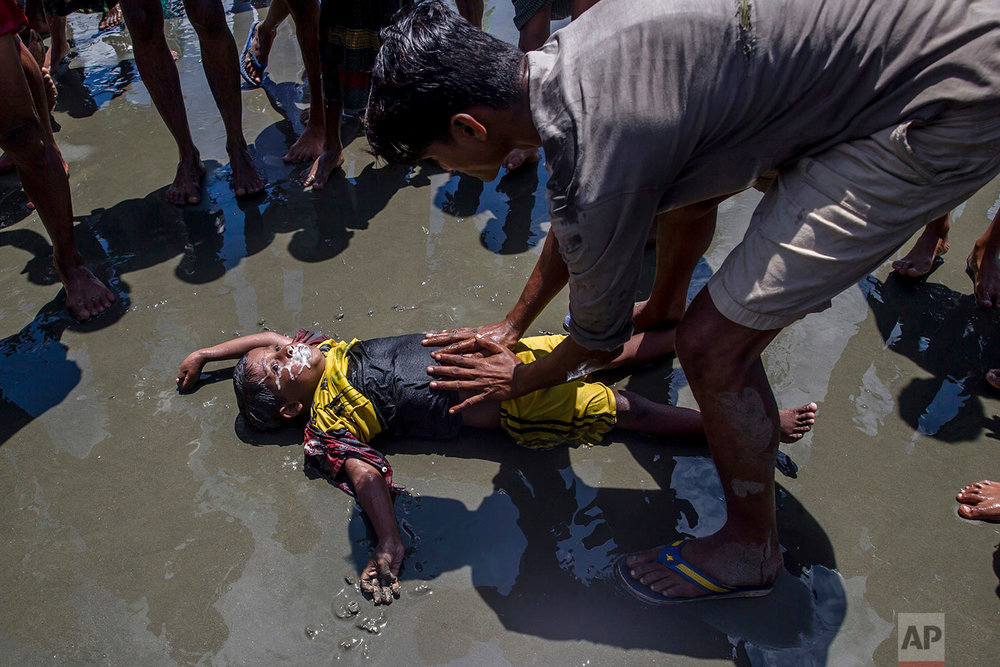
{"x": 260, "y": 407}
{"x": 432, "y": 65}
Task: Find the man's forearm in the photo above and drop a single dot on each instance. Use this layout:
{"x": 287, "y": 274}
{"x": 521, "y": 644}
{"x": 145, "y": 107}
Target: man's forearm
{"x": 567, "y": 362}
{"x": 546, "y": 280}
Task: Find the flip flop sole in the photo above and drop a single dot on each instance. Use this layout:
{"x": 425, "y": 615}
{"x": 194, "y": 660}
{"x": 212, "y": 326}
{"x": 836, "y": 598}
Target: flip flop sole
{"x": 243, "y": 59}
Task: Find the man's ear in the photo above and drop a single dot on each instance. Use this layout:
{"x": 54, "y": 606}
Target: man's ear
{"x": 466, "y": 126}
{"x": 291, "y": 409}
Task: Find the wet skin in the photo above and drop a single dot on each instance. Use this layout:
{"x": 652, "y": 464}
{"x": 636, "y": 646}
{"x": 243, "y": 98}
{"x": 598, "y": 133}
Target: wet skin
{"x": 980, "y": 501}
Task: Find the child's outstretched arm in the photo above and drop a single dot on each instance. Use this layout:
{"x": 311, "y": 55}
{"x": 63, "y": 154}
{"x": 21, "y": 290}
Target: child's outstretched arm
{"x": 381, "y": 575}
{"x": 190, "y": 371}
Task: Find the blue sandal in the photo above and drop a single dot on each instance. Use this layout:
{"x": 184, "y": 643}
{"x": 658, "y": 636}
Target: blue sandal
{"x": 671, "y": 557}
{"x": 253, "y": 59}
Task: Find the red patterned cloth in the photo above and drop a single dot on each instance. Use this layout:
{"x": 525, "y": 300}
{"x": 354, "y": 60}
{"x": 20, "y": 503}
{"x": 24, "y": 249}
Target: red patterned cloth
{"x": 12, "y": 19}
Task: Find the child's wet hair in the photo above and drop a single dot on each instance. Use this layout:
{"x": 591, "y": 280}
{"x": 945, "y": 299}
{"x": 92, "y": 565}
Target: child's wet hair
{"x": 433, "y": 64}
{"x": 259, "y": 405}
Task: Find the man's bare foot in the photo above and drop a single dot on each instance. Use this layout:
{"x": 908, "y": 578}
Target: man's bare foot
{"x": 309, "y": 146}
{"x": 305, "y": 115}
{"x": 380, "y": 578}
{"x": 51, "y": 93}
{"x": 519, "y": 157}
{"x": 741, "y": 565}
{"x": 984, "y": 271}
{"x": 186, "y": 188}
{"x": 246, "y": 180}
{"x": 920, "y": 260}
{"x": 324, "y": 165}
{"x": 86, "y": 296}
{"x": 980, "y": 501}
{"x": 111, "y": 18}
{"x": 255, "y": 61}
{"x": 993, "y": 377}
{"x": 796, "y": 422}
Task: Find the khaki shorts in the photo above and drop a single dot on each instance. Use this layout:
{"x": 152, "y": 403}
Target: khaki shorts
{"x": 573, "y": 413}
{"x": 829, "y": 220}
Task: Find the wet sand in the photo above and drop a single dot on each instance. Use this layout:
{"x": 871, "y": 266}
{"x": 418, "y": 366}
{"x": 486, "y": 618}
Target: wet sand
{"x": 143, "y": 527}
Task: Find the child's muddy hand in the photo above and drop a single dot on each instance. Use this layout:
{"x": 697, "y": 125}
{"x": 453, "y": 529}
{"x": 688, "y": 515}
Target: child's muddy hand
{"x": 380, "y": 577}
{"x": 190, "y": 372}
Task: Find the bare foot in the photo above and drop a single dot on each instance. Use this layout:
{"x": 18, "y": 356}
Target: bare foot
{"x": 50, "y": 89}
{"x": 86, "y": 296}
{"x": 380, "y": 578}
{"x": 993, "y": 377}
{"x": 111, "y": 18}
{"x": 729, "y": 563}
{"x": 796, "y": 422}
{"x": 309, "y": 146}
{"x": 246, "y": 180}
{"x": 520, "y": 156}
{"x": 36, "y": 48}
{"x": 260, "y": 48}
{"x": 186, "y": 188}
{"x": 324, "y": 165}
{"x": 929, "y": 246}
{"x": 982, "y": 267}
{"x": 305, "y": 115}
{"x": 980, "y": 501}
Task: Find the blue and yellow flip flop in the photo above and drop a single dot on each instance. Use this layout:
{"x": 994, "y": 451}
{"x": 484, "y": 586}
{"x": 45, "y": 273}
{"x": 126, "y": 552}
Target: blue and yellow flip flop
{"x": 670, "y": 556}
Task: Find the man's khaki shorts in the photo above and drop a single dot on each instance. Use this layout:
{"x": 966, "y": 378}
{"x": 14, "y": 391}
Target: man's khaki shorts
{"x": 829, "y": 220}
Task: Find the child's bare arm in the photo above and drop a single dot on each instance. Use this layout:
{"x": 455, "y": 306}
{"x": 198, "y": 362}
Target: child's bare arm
{"x": 190, "y": 370}
{"x": 380, "y": 576}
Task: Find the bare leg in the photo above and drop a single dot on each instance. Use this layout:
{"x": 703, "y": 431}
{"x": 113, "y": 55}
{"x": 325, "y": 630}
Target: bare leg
{"x": 471, "y": 11}
{"x": 263, "y": 39}
{"x": 980, "y": 501}
{"x": 931, "y": 244}
{"x": 983, "y": 265}
{"x": 310, "y": 145}
{"x": 333, "y": 155}
{"x": 682, "y": 237}
{"x": 144, "y": 19}
{"x": 58, "y": 45}
{"x": 531, "y": 36}
{"x": 220, "y": 59}
{"x": 26, "y": 136}
{"x": 722, "y": 363}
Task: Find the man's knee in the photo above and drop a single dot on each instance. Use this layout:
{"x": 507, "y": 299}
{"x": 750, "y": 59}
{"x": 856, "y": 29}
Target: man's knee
{"x": 144, "y": 21}
{"x": 207, "y": 17}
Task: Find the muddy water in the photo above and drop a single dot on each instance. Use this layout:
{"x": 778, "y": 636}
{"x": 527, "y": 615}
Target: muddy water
{"x": 143, "y": 526}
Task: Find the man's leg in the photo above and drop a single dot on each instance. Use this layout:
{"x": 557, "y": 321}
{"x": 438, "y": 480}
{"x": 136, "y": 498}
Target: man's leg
{"x": 471, "y": 11}
{"x": 305, "y": 14}
{"x": 983, "y": 265}
{"x": 721, "y": 360}
{"x": 682, "y": 237}
{"x": 27, "y": 138}
{"x": 144, "y": 19}
{"x": 333, "y": 155}
{"x": 220, "y": 59}
{"x": 58, "y": 44}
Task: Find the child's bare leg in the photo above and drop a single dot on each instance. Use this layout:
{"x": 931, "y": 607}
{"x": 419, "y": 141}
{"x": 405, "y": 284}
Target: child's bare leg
{"x": 983, "y": 265}
{"x": 636, "y": 413}
{"x": 381, "y": 574}
{"x": 931, "y": 244}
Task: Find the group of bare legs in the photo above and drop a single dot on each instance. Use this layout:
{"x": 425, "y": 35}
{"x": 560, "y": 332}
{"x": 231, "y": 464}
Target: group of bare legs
{"x": 980, "y": 500}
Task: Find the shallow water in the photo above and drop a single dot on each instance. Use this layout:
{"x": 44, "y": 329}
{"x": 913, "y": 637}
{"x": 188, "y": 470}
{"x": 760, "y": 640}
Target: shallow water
{"x": 140, "y": 526}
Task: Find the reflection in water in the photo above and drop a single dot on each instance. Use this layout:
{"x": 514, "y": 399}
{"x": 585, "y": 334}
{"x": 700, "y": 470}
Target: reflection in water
{"x": 947, "y": 335}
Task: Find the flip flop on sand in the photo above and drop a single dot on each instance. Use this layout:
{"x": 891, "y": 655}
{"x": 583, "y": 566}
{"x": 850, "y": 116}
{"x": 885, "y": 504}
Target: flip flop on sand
{"x": 261, "y": 66}
{"x": 671, "y": 557}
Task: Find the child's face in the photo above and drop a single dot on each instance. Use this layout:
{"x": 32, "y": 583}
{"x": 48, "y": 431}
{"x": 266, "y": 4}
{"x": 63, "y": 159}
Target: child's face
{"x": 291, "y": 371}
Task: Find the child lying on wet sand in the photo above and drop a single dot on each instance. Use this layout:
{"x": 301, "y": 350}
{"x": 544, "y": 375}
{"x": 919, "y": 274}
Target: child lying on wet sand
{"x": 354, "y": 391}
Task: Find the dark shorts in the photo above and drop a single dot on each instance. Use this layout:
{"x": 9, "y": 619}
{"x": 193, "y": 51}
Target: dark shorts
{"x": 392, "y": 374}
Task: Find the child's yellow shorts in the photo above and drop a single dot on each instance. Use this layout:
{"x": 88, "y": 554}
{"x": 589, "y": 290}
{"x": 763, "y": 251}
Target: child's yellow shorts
{"x": 573, "y": 413}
